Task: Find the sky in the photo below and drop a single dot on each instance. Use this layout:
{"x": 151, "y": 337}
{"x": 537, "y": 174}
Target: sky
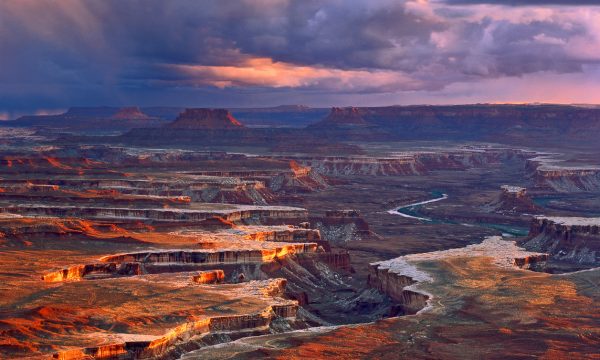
{"x": 254, "y": 53}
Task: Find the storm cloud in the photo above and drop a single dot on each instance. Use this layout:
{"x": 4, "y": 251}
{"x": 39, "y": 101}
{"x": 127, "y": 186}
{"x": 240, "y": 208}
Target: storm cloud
{"x": 245, "y": 53}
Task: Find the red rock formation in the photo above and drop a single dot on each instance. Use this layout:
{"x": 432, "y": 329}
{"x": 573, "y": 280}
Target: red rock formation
{"x": 205, "y": 119}
{"x": 513, "y": 199}
{"x": 394, "y": 285}
{"x": 300, "y": 179}
{"x": 214, "y": 257}
{"x": 239, "y": 214}
{"x": 342, "y": 117}
{"x": 160, "y": 347}
{"x": 209, "y": 277}
{"x": 290, "y": 235}
{"x": 129, "y": 113}
{"x": 79, "y": 272}
{"x": 532, "y": 261}
{"x": 217, "y": 222}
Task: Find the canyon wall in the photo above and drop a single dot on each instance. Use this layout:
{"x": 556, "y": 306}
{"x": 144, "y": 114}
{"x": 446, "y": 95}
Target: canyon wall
{"x": 568, "y": 180}
{"x": 523, "y": 124}
{"x": 569, "y": 239}
{"x": 341, "y": 226}
{"x": 395, "y": 285}
{"x": 239, "y": 213}
{"x": 411, "y": 163}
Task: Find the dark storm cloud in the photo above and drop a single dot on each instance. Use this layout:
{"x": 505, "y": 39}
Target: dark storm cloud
{"x": 137, "y": 51}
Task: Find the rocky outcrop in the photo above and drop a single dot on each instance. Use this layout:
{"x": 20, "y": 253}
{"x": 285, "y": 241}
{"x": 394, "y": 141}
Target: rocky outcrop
{"x": 536, "y": 262}
{"x": 340, "y": 226}
{"x": 209, "y": 277}
{"x": 288, "y": 235}
{"x": 341, "y": 118}
{"x": 94, "y": 271}
{"x": 570, "y": 239}
{"x": 335, "y": 166}
{"x": 513, "y": 199}
{"x": 205, "y": 119}
{"x": 412, "y": 163}
{"x": 129, "y": 113}
{"x": 336, "y": 260}
{"x": 202, "y": 189}
{"x": 212, "y": 257}
{"x": 400, "y": 277}
{"x": 395, "y": 285}
{"x": 550, "y": 172}
{"x": 568, "y": 180}
{"x": 176, "y": 261}
{"x": 16, "y": 230}
{"x": 260, "y": 322}
{"x": 300, "y": 179}
{"x": 195, "y": 334}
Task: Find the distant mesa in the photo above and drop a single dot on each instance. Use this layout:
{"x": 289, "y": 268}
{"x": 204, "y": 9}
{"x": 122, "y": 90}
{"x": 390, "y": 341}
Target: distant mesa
{"x": 130, "y": 113}
{"x": 342, "y": 117}
{"x": 91, "y": 119}
{"x": 205, "y": 119}
{"x": 106, "y": 113}
{"x": 291, "y": 108}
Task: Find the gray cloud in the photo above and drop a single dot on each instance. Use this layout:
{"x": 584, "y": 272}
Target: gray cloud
{"x": 123, "y": 52}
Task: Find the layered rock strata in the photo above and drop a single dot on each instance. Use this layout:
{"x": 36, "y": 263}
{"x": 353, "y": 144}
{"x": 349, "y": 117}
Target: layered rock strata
{"x": 236, "y": 213}
{"x": 572, "y": 239}
{"x": 483, "y": 122}
{"x": 399, "y": 278}
{"x": 513, "y": 199}
{"x": 191, "y": 334}
{"x": 412, "y": 163}
{"x": 209, "y": 277}
{"x": 548, "y": 172}
{"x": 159, "y": 262}
{"x": 203, "y": 119}
{"x": 342, "y": 226}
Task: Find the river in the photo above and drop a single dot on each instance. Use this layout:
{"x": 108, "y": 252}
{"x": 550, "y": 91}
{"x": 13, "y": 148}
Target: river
{"x": 411, "y": 211}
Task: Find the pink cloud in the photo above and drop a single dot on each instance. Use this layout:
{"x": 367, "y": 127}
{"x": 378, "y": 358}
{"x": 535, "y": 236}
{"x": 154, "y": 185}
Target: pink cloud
{"x": 265, "y": 72}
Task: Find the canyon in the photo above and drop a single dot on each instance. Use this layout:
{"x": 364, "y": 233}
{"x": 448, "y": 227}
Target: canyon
{"x": 572, "y": 239}
{"x": 390, "y": 232}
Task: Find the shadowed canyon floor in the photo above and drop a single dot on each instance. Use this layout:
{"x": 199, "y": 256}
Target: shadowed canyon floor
{"x": 381, "y": 249}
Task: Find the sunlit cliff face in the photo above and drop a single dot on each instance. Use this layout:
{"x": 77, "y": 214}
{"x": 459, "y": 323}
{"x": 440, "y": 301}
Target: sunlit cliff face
{"x": 320, "y": 52}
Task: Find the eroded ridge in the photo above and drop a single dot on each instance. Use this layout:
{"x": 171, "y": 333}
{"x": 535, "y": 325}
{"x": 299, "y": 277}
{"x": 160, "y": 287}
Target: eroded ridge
{"x": 166, "y": 261}
{"x": 278, "y": 315}
{"x": 567, "y": 239}
{"x": 400, "y": 277}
